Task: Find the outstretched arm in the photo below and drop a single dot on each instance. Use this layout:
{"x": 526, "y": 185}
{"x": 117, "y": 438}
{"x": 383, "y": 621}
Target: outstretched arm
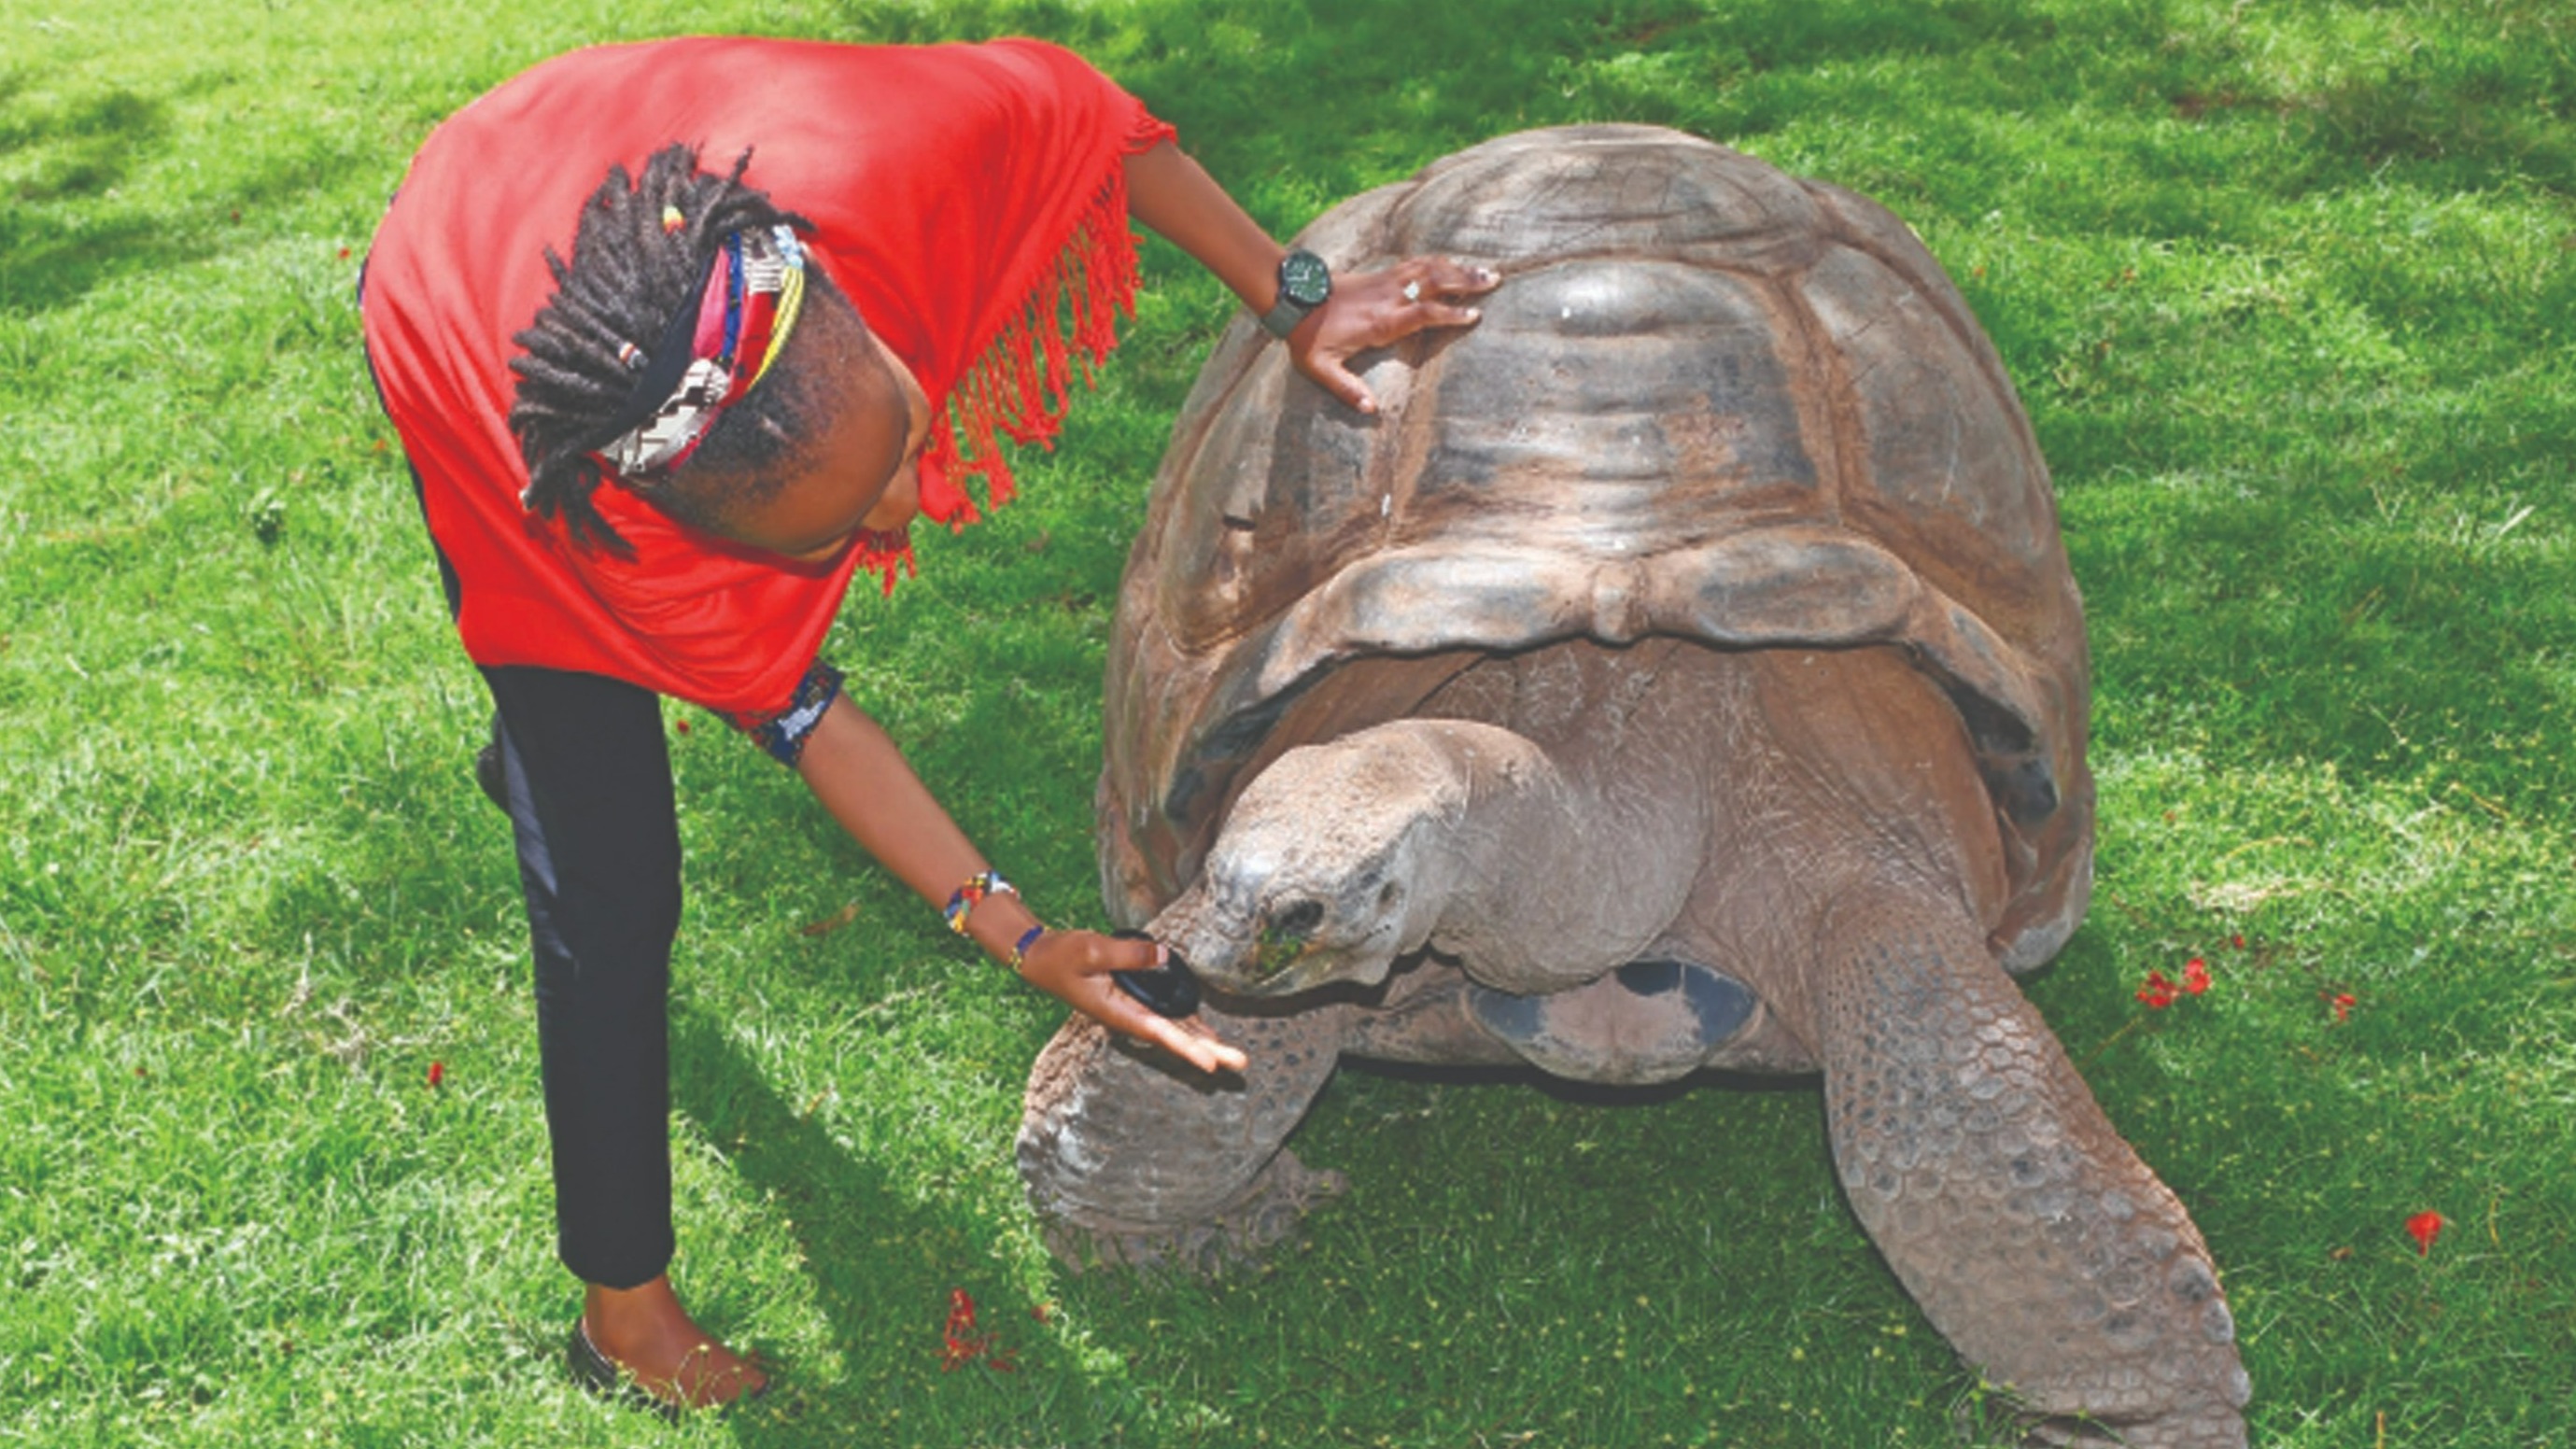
{"x": 1171, "y": 193}
{"x": 852, "y": 766}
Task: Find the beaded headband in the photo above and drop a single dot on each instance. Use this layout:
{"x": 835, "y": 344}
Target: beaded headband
{"x": 710, "y": 355}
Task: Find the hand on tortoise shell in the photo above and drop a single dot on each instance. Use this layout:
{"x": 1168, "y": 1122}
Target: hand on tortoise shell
{"x": 1074, "y": 967}
{"x": 1375, "y": 309}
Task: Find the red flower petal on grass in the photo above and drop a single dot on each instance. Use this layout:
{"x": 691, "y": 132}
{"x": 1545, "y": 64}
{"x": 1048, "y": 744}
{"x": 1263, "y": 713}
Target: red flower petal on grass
{"x": 2343, "y": 1003}
{"x": 964, "y": 1345}
{"x": 2236, "y": 941}
{"x": 2158, "y": 993}
{"x": 2195, "y": 976}
{"x": 437, "y": 1073}
{"x": 2424, "y": 1228}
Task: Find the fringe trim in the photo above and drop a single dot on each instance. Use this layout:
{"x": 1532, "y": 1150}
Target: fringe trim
{"x": 1020, "y": 385}
{"x": 887, "y": 553}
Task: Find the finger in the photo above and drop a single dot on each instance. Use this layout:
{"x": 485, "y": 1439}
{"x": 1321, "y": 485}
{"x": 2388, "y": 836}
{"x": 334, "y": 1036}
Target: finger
{"x": 1428, "y": 313}
{"x": 1450, "y": 277}
{"x": 1203, "y": 1048}
{"x": 1123, "y": 953}
{"x": 1408, "y": 318}
{"x": 1332, "y": 377}
{"x": 1200, "y": 1048}
{"x": 1103, "y": 1002}
{"x": 1227, "y": 1052}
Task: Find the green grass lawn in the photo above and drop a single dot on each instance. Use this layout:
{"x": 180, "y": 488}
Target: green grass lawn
{"x": 2287, "y": 288}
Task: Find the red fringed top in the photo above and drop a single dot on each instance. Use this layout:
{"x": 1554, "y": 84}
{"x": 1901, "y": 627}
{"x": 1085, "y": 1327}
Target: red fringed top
{"x": 968, "y": 199}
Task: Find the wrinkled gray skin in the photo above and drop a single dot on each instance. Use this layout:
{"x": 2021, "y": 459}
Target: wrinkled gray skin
{"x": 1623, "y": 855}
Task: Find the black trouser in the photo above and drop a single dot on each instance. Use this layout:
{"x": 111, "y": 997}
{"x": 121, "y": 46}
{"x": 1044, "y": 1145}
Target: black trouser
{"x": 586, "y": 777}
{"x": 588, "y": 782}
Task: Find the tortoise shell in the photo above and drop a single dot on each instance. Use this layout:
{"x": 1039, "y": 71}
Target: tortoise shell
{"x": 1710, "y": 400}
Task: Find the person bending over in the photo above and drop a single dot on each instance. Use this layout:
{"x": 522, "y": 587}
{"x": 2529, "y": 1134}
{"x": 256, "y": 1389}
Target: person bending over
{"x": 679, "y": 337}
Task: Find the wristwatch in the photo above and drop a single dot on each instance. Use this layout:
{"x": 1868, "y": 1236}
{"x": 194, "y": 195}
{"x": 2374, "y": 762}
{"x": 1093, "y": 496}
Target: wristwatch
{"x": 1304, "y": 283}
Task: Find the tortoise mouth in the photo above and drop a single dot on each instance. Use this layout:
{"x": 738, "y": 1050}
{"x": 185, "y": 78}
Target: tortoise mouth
{"x": 1279, "y": 958}
{"x": 1277, "y": 967}
{"x": 1277, "y": 953}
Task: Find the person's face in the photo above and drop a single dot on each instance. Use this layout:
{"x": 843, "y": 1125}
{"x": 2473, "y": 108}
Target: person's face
{"x": 862, "y": 469}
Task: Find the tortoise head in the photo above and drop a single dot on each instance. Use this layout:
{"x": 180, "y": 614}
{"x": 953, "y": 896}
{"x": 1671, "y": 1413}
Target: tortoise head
{"x": 1330, "y": 866}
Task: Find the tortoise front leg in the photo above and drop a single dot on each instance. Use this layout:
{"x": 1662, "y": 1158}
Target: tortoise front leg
{"x": 1134, "y": 1160}
{"x": 2031, "y": 1234}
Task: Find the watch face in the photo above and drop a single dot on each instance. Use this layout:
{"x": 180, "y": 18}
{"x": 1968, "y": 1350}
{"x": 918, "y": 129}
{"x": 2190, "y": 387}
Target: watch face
{"x": 1304, "y": 279}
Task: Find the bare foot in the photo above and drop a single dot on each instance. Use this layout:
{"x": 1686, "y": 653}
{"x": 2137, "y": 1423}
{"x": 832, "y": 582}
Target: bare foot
{"x": 646, "y": 1332}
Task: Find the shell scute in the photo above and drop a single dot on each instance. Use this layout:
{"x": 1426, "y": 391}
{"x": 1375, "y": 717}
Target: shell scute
{"x": 1627, "y": 402}
{"x": 1603, "y": 190}
{"x": 1940, "y": 447}
{"x": 1263, "y": 507}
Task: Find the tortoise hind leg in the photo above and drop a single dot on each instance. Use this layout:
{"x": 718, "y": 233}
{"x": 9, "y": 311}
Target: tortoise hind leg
{"x": 1130, "y": 1159}
{"x": 2030, "y": 1233}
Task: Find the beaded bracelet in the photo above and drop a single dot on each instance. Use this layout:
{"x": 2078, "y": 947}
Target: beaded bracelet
{"x": 962, "y": 903}
{"x": 1020, "y": 948}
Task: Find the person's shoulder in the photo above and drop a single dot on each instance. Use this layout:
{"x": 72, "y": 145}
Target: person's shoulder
{"x": 1033, "y": 53}
{"x": 643, "y": 68}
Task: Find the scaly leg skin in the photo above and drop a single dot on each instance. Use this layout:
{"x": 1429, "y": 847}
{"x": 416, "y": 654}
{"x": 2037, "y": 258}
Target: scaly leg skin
{"x": 2031, "y": 1234}
{"x": 1132, "y": 1159}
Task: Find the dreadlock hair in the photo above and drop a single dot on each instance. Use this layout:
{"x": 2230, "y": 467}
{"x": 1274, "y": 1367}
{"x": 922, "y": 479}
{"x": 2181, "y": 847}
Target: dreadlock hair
{"x": 628, "y": 278}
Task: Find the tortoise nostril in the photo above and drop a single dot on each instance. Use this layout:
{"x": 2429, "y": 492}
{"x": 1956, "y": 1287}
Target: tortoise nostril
{"x": 1297, "y": 918}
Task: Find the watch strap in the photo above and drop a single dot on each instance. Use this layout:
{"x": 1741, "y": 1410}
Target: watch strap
{"x": 1282, "y": 319}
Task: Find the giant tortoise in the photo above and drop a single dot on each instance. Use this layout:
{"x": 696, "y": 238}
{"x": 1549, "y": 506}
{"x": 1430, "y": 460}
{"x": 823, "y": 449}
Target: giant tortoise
{"x": 1680, "y": 671}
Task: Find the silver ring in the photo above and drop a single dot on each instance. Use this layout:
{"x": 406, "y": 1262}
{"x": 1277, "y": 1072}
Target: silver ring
{"x": 1413, "y": 291}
